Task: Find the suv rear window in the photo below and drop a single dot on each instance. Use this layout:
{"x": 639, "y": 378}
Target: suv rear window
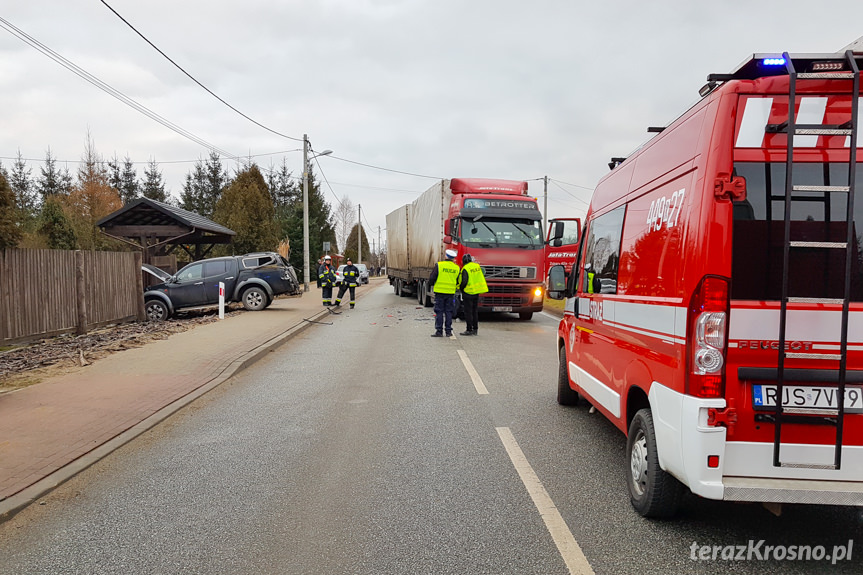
{"x": 758, "y": 233}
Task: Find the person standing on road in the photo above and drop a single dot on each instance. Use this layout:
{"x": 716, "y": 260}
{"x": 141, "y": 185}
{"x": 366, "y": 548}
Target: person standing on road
{"x": 444, "y": 279}
{"x": 471, "y": 283}
{"x": 350, "y": 279}
{"x": 327, "y": 277}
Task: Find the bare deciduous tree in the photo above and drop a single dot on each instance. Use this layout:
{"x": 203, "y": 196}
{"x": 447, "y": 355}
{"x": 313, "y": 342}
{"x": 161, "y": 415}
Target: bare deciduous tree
{"x": 345, "y": 217}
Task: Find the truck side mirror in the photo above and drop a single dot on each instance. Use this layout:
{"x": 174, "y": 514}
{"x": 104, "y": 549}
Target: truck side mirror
{"x": 446, "y": 228}
{"x": 556, "y": 282}
{"x": 555, "y": 234}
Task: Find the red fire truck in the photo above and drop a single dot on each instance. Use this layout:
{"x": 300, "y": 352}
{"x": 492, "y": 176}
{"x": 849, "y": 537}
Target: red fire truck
{"x": 714, "y": 312}
{"x": 494, "y": 221}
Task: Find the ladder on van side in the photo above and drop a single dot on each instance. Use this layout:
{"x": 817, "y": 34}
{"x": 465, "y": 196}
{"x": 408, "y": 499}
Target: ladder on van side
{"x": 849, "y": 129}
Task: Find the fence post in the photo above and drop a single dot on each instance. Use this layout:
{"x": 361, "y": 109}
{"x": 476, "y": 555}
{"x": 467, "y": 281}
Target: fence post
{"x": 139, "y": 262}
{"x": 80, "y": 293}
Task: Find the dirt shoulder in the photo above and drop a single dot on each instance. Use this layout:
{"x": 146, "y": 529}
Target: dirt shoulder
{"x": 27, "y": 364}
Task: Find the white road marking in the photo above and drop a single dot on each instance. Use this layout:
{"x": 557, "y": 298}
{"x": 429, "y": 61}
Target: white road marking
{"x": 568, "y": 547}
{"x": 474, "y": 376}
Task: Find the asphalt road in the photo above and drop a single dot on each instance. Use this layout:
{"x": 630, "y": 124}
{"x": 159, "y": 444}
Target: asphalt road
{"x": 368, "y": 447}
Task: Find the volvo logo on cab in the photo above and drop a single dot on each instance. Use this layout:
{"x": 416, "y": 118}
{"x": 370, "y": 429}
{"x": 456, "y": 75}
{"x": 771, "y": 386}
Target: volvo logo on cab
{"x": 767, "y": 344}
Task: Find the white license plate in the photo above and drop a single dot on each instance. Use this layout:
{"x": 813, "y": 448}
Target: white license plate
{"x": 502, "y": 308}
{"x": 808, "y": 396}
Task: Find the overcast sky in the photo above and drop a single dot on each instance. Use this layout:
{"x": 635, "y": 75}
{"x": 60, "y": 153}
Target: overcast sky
{"x": 440, "y": 88}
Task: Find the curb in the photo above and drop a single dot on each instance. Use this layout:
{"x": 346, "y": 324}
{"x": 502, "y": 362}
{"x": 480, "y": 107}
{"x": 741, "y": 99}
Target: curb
{"x": 13, "y": 504}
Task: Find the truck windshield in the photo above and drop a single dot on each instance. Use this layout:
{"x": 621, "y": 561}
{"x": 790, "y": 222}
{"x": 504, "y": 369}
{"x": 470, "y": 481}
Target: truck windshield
{"x": 495, "y": 232}
{"x": 758, "y": 233}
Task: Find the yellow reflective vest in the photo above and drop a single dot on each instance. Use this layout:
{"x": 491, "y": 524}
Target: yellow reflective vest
{"x": 475, "y": 280}
{"x": 447, "y": 277}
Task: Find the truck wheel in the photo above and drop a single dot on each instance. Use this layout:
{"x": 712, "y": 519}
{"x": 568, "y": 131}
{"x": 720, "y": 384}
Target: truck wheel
{"x": 397, "y": 287}
{"x": 565, "y": 394}
{"x": 156, "y": 310}
{"x": 652, "y": 491}
{"x": 426, "y": 301}
{"x": 525, "y": 315}
{"x": 254, "y": 299}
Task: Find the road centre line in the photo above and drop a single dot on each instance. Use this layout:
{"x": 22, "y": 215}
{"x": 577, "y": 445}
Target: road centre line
{"x": 568, "y": 547}
{"x": 474, "y": 376}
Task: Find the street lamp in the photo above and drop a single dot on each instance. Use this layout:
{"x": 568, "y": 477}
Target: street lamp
{"x": 306, "y": 159}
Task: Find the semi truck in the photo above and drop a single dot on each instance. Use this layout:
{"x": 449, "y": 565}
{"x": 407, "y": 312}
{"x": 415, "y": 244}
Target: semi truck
{"x": 494, "y": 221}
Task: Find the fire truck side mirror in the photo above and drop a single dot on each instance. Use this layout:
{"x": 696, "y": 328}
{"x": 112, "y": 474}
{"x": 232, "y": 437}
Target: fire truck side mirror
{"x": 556, "y": 282}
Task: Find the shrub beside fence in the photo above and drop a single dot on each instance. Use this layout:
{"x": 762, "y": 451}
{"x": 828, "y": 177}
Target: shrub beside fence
{"x": 49, "y": 292}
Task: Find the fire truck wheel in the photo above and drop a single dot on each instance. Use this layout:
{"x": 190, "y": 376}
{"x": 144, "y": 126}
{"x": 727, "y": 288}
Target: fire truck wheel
{"x": 565, "y": 394}
{"x": 652, "y": 491}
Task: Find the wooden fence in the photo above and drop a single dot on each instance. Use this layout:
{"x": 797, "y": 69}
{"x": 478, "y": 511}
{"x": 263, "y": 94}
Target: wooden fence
{"x": 49, "y": 292}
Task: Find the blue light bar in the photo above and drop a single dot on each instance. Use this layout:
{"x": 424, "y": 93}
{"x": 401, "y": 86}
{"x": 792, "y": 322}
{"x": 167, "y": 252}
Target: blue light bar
{"x": 773, "y": 61}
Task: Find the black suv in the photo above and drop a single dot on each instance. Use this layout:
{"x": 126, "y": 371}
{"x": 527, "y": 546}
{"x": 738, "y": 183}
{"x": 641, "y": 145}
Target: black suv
{"x": 253, "y": 279}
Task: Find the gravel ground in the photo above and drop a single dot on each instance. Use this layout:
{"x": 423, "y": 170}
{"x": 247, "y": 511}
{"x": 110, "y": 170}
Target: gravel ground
{"x": 30, "y": 363}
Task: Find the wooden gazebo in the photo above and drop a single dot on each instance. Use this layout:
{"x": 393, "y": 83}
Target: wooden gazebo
{"x": 158, "y": 229}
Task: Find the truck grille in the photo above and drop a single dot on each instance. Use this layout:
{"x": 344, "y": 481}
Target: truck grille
{"x": 506, "y": 300}
{"x": 522, "y": 289}
{"x": 509, "y": 272}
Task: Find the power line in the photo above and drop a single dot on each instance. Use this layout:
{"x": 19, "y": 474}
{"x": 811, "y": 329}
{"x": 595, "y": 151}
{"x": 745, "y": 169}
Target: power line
{"x": 385, "y": 169}
{"x": 195, "y": 80}
{"x": 74, "y": 68}
{"x": 573, "y": 185}
{"x": 568, "y": 192}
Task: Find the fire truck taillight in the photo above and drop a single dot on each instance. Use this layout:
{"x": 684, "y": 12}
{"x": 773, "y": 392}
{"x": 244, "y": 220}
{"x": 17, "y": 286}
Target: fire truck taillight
{"x": 707, "y": 338}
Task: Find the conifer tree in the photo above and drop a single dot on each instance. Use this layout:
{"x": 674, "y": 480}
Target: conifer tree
{"x": 26, "y": 197}
{"x": 246, "y": 207}
{"x": 51, "y": 181}
{"x": 55, "y": 227}
{"x": 351, "y": 247}
{"x": 10, "y": 228}
{"x": 153, "y": 187}
{"x": 204, "y": 186}
{"x": 321, "y": 227}
{"x": 123, "y": 178}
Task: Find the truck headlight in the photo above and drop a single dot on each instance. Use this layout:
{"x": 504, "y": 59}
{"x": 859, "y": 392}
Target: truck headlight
{"x": 537, "y": 294}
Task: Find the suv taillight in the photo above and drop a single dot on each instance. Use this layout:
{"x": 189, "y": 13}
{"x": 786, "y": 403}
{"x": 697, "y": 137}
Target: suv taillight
{"x": 707, "y": 338}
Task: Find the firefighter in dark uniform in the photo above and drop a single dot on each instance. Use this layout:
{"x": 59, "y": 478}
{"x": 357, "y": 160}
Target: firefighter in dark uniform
{"x": 444, "y": 278}
{"x": 350, "y": 279}
{"x": 471, "y": 283}
{"x": 327, "y": 277}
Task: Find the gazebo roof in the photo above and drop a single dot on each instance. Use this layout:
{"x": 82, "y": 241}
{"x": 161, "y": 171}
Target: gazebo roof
{"x": 146, "y": 217}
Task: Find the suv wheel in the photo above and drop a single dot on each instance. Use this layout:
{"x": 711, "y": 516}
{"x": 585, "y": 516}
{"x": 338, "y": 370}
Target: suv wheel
{"x": 255, "y": 299}
{"x": 156, "y": 310}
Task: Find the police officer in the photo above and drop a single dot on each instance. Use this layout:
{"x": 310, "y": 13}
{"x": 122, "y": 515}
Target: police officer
{"x": 350, "y": 279}
{"x": 327, "y": 277}
{"x": 444, "y": 279}
{"x": 471, "y": 283}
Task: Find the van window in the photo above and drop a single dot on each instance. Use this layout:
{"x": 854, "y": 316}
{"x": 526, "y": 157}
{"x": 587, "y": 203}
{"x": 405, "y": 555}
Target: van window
{"x": 758, "y": 233}
{"x": 602, "y": 253}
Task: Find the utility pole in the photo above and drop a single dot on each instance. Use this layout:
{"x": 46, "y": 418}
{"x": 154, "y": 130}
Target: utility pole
{"x": 359, "y": 233}
{"x": 305, "y": 213}
{"x": 545, "y": 205}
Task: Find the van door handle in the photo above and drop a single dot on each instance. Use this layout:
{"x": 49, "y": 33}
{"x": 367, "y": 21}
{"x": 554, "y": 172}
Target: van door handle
{"x": 199, "y": 283}
{"x": 230, "y": 278}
